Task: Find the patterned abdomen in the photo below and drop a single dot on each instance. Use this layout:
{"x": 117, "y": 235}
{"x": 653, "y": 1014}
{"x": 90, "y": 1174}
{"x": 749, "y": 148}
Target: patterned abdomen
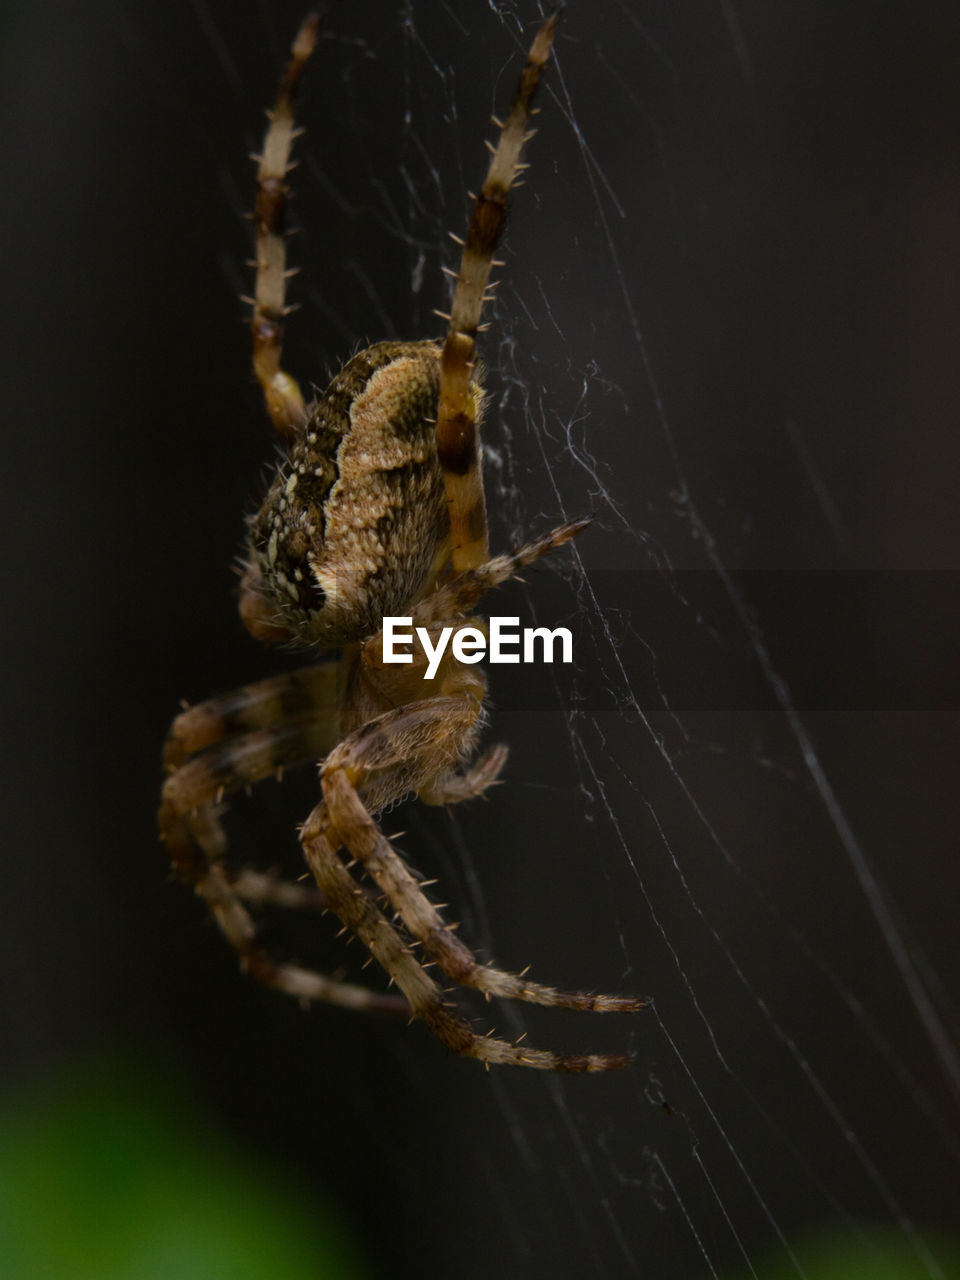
{"x": 356, "y": 515}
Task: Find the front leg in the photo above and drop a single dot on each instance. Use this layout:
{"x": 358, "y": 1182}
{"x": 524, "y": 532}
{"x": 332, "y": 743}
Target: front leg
{"x": 461, "y": 594}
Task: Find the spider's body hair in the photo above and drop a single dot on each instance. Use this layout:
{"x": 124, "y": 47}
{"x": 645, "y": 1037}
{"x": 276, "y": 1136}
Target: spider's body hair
{"x": 354, "y": 525}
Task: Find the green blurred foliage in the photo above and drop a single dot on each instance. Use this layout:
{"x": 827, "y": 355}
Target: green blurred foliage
{"x": 881, "y": 1254}
{"x": 101, "y": 1180}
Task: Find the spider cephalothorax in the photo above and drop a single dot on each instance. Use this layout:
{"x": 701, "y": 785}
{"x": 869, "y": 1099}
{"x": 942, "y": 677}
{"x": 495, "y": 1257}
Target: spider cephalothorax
{"x": 376, "y": 510}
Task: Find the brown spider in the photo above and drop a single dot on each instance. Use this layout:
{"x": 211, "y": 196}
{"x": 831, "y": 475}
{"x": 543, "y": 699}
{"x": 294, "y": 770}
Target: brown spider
{"x": 376, "y": 510}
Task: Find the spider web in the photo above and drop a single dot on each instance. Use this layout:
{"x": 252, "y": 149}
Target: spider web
{"x": 712, "y": 332}
{"x": 693, "y": 339}
{"x": 726, "y": 326}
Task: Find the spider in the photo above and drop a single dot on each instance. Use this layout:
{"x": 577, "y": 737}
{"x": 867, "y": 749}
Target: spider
{"x": 376, "y": 509}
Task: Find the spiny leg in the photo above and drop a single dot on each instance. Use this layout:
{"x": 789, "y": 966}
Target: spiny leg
{"x": 458, "y": 445}
{"x": 460, "y": 594}
{"x": 193, "y": 792}
{"x": 214, "y": 886}
{"x": 254, "y": 706}
{"x": 247, "y": 758}
{"x": 359, "y": 914}
{"x": 283, "y": 397}
{"x": 264, "y": 888}
{"x": 385, "y": 744}
{"x": 264, "y": 705}
{"x": 191, "y": 829}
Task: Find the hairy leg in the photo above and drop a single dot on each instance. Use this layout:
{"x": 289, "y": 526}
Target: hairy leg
{"x": 380, "y": 748}
{"x": 283, "y": 397}
{"x": 247, "y": 758}
{"x": 459, "y": 596}
{"x": 359, "y": 914}
{"x": 454, "y": 787}
{"x": 191, "y": 828}
{"x": 264, "y": 888}
{"x": 458, "y": 446}
{"x": 255, "y": 706}
{"x": 366, "y": 843}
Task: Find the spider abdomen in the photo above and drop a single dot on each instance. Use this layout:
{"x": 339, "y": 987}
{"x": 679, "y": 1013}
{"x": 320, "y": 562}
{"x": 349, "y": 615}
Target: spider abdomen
{"x": 355, "y": 518}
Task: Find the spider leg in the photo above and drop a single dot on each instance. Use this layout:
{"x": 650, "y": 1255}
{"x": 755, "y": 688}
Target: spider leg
{"x": 461, "y": 593}
{"x": 255, "y": 706}
{"x": 367, "y": 922}
{"x": 458, "y": 446}
{"x": 264, "y": 887}
{"x": 283, "y": 397}
{"x": 453, "y": 788}
{"x": 191, "y": 829}
{"x": 192, "y": 792}
{"x": 386, "y": 745}
{"x": 264, "y": 705}
{"x": 182, "y": 832}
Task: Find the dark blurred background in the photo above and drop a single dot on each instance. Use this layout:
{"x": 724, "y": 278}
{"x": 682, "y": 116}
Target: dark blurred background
{"x": 728, "y": 326}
